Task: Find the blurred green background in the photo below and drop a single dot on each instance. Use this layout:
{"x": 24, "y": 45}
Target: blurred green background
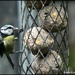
{"x": 9, "y": 15}
{"x": 71, "y": 22}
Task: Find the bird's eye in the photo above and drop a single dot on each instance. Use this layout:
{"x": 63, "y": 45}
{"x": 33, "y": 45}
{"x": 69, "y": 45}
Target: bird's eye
{"x": 9, "y": 28}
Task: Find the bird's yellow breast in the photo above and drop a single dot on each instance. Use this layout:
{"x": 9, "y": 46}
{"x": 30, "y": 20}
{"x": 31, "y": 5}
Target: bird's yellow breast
{"x": 9, "y": 44}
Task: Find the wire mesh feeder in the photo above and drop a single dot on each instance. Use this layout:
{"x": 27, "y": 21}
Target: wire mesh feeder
{"x": 45, "y": 37}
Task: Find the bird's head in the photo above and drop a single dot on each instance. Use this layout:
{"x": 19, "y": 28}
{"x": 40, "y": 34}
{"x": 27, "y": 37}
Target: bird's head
{"x": 7, "y": 30}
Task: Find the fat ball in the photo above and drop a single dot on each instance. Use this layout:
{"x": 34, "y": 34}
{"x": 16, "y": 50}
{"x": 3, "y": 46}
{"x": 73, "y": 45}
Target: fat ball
{"x": 37, "y": 38}
{"x": 50, "y": 64}
{"x": 53, "y": 18}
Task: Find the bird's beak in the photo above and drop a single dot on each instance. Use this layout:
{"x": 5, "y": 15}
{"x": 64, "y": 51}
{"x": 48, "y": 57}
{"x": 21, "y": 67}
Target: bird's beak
{"x": 15, "y": 31}
{"x": 15, "y": 28}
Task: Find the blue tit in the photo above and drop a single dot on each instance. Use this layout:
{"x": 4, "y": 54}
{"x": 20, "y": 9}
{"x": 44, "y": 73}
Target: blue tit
{"x": 8, "y": 36}
{"x": 6, "y": 47}
{"x": 7, "y": 42}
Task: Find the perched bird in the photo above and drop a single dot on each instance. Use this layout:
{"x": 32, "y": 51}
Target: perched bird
{"x": 37, "y": 39}
{"x": 7, "y": 41}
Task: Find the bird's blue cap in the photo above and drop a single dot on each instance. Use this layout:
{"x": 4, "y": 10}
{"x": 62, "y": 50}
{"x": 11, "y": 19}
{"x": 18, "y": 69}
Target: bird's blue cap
{"x": 6, "y": 26}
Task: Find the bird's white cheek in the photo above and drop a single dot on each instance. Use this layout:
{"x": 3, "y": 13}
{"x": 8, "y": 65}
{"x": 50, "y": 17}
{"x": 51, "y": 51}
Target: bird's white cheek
{"x": 9, "y": 31}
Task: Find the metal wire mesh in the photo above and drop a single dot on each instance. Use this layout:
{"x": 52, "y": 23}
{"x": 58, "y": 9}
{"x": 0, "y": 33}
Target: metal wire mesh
{"x": 45, "y": 37}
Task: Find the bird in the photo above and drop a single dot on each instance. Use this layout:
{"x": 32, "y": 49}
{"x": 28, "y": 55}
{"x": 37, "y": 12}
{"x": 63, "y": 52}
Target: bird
{"x": 7, "y": 41}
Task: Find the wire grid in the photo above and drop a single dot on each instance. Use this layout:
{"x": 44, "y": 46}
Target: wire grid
{"x": 30, "y": 14}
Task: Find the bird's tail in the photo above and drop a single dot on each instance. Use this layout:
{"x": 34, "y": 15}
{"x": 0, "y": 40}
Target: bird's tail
{"x": 9, "y": 59}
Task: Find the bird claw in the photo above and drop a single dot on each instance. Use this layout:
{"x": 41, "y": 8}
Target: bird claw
{"x": 21, "y": 30}
{"x": 16, "y": 38}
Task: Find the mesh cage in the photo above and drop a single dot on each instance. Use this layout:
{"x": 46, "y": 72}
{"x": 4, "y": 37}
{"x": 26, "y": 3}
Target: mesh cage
{"x": 45, "y": 37}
